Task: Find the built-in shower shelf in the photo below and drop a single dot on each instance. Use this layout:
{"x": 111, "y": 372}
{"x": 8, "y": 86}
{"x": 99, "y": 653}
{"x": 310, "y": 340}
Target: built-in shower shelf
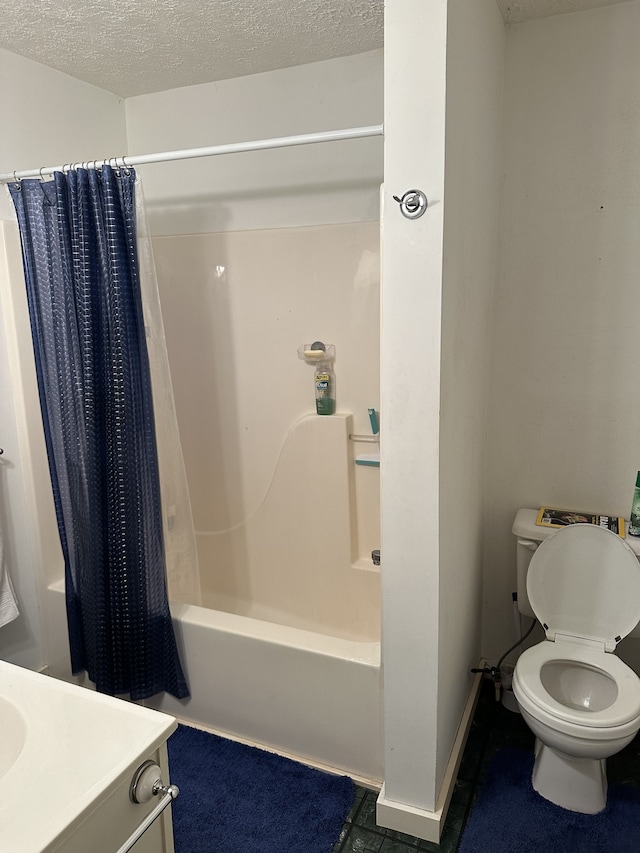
{"x": 365, "y": 564}
{"x": 370, "y": 459}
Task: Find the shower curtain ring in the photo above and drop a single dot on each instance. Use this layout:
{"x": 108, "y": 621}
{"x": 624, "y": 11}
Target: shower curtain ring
{"x": 40, "y": 173}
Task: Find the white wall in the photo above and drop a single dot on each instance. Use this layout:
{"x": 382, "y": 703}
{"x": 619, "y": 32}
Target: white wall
{"x": 47, "y": 118}
{"x": 308, "y": 185}
{"x": 475, "y": 65}
{"x": 565, "y": 403}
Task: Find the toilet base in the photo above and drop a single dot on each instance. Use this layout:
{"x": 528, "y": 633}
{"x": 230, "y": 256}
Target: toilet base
{"x": 577, "y": 784}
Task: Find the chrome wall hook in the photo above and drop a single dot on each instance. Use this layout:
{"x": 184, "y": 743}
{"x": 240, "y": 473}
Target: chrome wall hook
{"x": 412, "y": 204}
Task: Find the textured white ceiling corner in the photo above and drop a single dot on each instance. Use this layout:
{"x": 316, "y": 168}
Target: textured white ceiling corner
{"x": 518, "y": 11}
{"x": 132, "y": 47}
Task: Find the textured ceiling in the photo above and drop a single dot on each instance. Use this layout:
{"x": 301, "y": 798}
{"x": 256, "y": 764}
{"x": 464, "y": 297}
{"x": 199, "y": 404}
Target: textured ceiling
{"x": 132, "y": 47}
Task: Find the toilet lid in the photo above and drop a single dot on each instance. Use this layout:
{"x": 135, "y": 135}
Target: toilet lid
{"x": 584, "y": 581}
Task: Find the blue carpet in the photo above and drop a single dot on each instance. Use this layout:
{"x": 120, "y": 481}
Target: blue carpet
{"x": 510, "y": 817}
{"x": 238, "y": 799}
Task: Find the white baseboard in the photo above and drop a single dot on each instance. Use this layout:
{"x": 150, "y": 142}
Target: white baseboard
{"x": 420, "y": 822}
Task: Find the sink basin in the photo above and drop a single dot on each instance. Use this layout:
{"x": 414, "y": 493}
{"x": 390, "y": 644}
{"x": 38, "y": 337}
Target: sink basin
{"x": 13, "y": 734}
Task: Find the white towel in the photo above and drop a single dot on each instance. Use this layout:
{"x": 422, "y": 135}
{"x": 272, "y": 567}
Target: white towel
{"x": 8, "y": 605}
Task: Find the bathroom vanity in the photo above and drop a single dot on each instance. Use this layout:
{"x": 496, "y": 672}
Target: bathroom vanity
{"x": 67, "y": 759}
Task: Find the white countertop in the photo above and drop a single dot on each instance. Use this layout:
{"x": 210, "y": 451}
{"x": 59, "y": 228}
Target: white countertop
{"x": 61, "y": 748}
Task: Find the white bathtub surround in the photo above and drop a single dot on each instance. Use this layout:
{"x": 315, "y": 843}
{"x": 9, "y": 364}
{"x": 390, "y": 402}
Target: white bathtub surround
{"x": 294, "y": 557}
{"x": 236, "y": 307}
{"x": 68, "y": 757}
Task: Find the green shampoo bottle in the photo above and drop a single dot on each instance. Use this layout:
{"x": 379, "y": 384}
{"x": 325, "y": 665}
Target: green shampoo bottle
{"x": 325, "y": 382}
{"x": 321, "y": 357}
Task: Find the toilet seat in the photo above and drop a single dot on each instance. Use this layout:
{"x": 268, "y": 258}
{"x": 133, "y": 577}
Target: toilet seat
{"x": 584, "y": 582}
{"x": 529, "y": 688}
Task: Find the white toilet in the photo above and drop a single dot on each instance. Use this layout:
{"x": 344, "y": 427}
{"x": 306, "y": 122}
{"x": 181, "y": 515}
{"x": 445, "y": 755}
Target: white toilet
{"x": 579, "y": 699}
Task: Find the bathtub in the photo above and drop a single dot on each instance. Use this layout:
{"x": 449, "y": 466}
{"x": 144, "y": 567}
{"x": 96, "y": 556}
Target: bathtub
{"x": 306, "y": 695}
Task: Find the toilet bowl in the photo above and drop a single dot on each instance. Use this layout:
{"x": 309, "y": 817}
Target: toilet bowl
{"x": 578, "y": 698}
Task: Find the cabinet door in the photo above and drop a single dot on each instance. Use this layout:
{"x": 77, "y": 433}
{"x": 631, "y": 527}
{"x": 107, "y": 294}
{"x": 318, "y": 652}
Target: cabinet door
{"x": 115, "y": 818}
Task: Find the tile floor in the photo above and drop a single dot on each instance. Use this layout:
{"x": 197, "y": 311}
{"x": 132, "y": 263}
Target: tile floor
{"x": 492, "y": 728}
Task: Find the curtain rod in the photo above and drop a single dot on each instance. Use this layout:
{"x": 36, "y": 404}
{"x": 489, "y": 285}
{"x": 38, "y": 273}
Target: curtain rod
{"x": 211, "y": 151}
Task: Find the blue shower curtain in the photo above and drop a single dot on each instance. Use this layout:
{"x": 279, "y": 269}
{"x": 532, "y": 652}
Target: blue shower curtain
{"x": 78, "y": 236}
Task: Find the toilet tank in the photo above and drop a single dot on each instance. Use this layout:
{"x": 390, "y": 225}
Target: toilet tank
{"x": 529, "y": 535}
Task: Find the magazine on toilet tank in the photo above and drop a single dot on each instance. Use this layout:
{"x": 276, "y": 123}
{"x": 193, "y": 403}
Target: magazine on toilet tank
{"x": 550, "y": 516}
